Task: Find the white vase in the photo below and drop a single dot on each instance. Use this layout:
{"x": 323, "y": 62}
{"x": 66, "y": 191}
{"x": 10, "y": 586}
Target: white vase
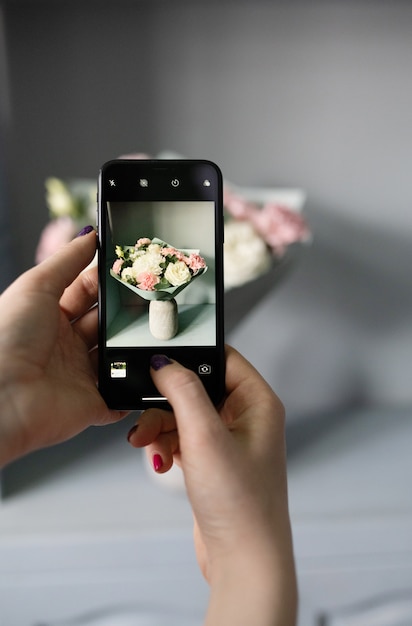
{"x": 163, "y": 318}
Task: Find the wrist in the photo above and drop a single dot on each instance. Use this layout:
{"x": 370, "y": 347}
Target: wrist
{"x": 11, "y": 444}
{"x": 254, "y": 585}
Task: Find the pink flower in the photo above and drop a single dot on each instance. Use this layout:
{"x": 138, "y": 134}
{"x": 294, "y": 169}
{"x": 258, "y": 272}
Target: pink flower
{"x": 279, "y": 226}
{"x": 135, "y": 155}
{"x": 117, "y": 266}
{"x": 238, "y": 207}
{"x": 195, "y": 262}
{"x": 180, "y": 256}
{"x": 147, "y": 281}
{"x": 168, "y": 251}
{"x": 143, "y": 241}
{"x": 57, "y": 232}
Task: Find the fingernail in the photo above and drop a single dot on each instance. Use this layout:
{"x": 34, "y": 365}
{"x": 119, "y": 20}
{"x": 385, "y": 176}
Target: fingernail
{"x": 157, "y": 462}
{"x": 158, "y": 361}
{"x": 85, "y": 231}
{"x": 132, "y": 431}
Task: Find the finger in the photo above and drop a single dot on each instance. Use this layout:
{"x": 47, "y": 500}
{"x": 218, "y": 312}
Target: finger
{"x": 156, "y": 430}
{"x": 58, "y": 271}
{"x": 81, "y": 294}
{"x": 195, "y": 414}
{"x": 161, "y": 453}
{"x": 94, "y": 360}
{"x": 86, "y": 327}
{"x": 152, "y": 423}
{"x": 252, "y": 408}
{"x": 246, "y": 387}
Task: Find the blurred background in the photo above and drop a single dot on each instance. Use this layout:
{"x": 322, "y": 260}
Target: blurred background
{"x": 315, "y": 95}
{"x": 311, "y": 94}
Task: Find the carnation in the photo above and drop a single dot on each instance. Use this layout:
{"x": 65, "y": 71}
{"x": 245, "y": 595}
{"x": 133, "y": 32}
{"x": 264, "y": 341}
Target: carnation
{"x": 117, "y": 266}
{"x": 279, "y": 226}
{"x": 143, "y": 241}
{"x": 147, "y": 281}
{"x": 150, "y": 262}
{"x": 195, "y": 262}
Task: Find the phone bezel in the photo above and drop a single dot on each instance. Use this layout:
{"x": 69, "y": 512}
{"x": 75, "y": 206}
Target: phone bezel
{"x": 131, "y": 170}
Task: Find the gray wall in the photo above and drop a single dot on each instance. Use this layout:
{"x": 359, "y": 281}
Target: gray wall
{"x": 316, "y": 94}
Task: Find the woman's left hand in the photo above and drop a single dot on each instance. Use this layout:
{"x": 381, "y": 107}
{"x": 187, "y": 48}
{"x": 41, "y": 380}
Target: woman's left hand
{"x": 48, "y": 336}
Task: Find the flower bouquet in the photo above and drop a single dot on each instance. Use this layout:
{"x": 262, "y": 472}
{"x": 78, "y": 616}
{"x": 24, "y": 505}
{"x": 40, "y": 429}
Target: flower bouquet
{"x": 157, "y": 271}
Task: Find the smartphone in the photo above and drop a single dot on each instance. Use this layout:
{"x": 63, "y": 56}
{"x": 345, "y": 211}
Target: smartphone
{"x": 160, "y": 225}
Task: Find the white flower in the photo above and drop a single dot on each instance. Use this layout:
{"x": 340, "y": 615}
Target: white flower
{"x": 149, "y": 262}
{"x": 59, "y": 198}
{"x": 177, "y": 273}
{"x": 128, "y": 275}
{"x": 246, "y": 255}
{"x": 154, "y": 248}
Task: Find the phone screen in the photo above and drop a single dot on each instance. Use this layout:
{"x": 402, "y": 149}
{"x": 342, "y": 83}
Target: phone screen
{"x": 160, "y": 276}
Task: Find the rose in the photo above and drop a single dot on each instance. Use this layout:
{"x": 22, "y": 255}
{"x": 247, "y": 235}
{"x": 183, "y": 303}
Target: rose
{"x": 246, "y": 255}
{"x": 177, "y": 273}
{"x": 129, "y": 276}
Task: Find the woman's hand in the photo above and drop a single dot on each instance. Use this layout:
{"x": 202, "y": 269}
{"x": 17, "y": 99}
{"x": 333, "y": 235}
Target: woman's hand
{"x": 48, "y": 335}
{"x": 234, "y": 466}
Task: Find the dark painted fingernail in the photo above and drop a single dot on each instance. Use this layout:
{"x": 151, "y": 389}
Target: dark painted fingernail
{"x": 132, "y": 431}
{"x": 159, "y": 360}
{"x": 85, "y": 231}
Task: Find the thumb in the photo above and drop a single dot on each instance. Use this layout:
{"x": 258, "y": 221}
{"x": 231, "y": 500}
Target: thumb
{"x": 59, "y": 270}
{"x": 196, "y": 417}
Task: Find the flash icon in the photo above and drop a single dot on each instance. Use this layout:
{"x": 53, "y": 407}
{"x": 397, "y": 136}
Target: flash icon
{"x": 112, "y": 183}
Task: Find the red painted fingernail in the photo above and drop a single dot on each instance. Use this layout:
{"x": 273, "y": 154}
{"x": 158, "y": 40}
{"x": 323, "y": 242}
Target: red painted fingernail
{"x": 157, "y": 462}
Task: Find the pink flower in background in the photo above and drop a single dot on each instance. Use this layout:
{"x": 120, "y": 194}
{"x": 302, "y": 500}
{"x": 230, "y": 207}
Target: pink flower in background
{"x": 238, "y": 207}
{"x": 147, "y": 281}
{"x": 134, "y": 155}
{"x": 117, "y": 266}
{"x": 56, "y": 233}
{"x": 279, "y": 226}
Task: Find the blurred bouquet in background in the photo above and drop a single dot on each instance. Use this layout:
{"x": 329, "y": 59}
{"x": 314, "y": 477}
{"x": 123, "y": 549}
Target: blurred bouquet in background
{"x": 72, "y": 205}
{"x": 261, "y": 224}
{"x": 260, "y": 227}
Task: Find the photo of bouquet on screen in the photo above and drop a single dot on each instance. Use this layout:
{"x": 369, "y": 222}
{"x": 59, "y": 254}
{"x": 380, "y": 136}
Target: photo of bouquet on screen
{"x": 155, "y": 270}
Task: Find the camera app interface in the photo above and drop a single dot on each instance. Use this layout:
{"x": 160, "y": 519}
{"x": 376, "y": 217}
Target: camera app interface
{"x": 160, "y": 275}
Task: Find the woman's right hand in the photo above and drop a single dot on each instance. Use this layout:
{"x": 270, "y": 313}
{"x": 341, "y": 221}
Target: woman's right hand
{"x": 234, "y": 465}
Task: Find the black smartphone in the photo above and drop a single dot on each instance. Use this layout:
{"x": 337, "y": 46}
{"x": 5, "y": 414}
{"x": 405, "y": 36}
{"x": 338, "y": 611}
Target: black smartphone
{"x": 160, "y": 225}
